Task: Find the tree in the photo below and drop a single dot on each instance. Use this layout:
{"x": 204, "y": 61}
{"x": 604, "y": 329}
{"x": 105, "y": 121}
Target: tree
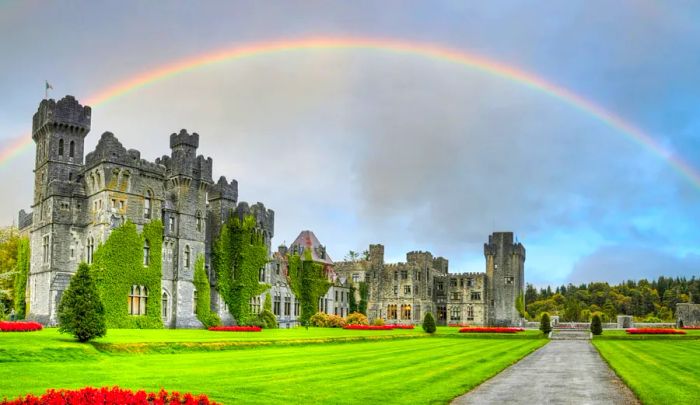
{"x": 364, "y": 295}
{"x": 545, "y": 323}
{"x": 352, "y": 256}
{"x": 23, "y": 257}
{"x": 81, "y": 312}
{"x": 352, "y": 303}
{"x": 520, "y": 305}
{"x": 429, "y": 323}
{"x": 596, "y": 325}
{"x": 267, "y": 305}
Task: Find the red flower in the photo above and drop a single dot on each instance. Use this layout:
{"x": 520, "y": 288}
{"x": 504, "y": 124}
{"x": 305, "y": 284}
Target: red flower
{"x": 235, "y": 329}
{"x": 109, "y": 396}
{"x": 487, "y": 329}
{"x": 691, "y": 327}
{"x": 654, "y": 331}
{"x": 20, "y": 326}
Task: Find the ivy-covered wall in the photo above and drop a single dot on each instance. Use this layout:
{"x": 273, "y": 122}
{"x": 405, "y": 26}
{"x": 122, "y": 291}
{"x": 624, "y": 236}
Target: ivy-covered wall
{"x": 20, "y": 286}
{"x": 119, "y": 264}
{"x": 201, "y": 283}
{"x": 364, "y": 295}
{"x": 238, "y": 255}
{"x": 308, "y": 283}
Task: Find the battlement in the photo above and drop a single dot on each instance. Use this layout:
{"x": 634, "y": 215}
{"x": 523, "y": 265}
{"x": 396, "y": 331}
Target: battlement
{"x": 474, "y": 274}
{"x": 66, "y": 114}
{"x": 110, "y": 150}
{"x": 419, "y": 257}
{"x": 264, "y": 218}
{"x": 184, "y": 139}
{"x": 504, "y": 239}
{"x": 224, "y": 190}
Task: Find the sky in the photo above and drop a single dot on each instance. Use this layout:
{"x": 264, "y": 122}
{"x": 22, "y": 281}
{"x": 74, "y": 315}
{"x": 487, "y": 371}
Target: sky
{"x": 368, "y": 146}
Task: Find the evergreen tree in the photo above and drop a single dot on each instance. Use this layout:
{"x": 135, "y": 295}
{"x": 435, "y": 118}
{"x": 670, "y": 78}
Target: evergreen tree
{"x": 596, "y": 325}
{"x": 545, "y": 323}
{"x": 364, "y": 294}
{"x": 81, "y": 312}
{"x": 429, "y": 323}
{"x": 352, "y": 303}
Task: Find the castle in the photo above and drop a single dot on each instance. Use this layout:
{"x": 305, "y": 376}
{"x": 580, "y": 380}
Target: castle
{"x": 80, "y": 198}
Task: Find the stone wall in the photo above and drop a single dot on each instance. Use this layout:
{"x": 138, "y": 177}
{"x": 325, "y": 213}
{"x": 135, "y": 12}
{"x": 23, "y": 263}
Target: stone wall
{"x": 687, "y": 314}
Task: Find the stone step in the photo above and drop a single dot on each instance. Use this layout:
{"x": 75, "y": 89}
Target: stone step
{"x": 570, "y": 335}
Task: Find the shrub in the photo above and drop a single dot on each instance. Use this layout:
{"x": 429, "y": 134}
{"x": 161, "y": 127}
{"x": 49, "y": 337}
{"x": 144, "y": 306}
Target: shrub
{"x": 267, "y": 319}
{"x": 110, "y": 396}
{"x": 81, "y": 312}
{"x": 335, "y": 321}
{"x": 319, "y": 319}
{"x": 545, "y": 323}
{"x": 378, "y": 322}
{"x": 596, "y": 325}
{"x": 357, "y": 318}
{"x": 429, "y": 323}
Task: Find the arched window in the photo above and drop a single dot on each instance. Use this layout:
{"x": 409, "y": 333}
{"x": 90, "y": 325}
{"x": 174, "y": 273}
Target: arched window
{"x": 405, "y": 312}
{"x": 470, "y": 313}
{"x": 187, "y": 256}
{"x": 147, "y": 204}
{"x": 391, "y": 312}
{"x": 199, "y": 221}
{"x": 194, "y": 302}
{"x": 138, "y": 299}
{"x": 164, "y": 305}
{"x": 60, "y": 147}
{"x": 71, "y": 149}
{"x": 90, "y": 249}
{"x": 146, "y": 253}
{"x": 455, "y": 314}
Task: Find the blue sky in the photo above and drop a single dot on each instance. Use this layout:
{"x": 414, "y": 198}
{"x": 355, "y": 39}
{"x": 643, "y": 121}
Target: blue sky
{"x": 369, "y": 147}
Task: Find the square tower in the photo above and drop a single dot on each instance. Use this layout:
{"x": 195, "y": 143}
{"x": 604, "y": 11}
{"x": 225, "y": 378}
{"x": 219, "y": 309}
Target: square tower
{"x": 505, "y": 276}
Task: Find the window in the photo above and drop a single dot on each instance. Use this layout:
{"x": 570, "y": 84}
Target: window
{"x": 71, "y": 150}
{"x": 72, "y": 252}
{"x": 287, "y": 306}
{"x": 407, "y": 289}
{"x": 121, "y": 204}
{"x": 355, "y": 277}
{"x": 199, "y": 222}
{"x": 276, "y": 305}
{"x": 440, "y": 286}
{"x": 455, "y": 296}
{"x": 164, "y": 306}
{"x": 147, "y": 205}
{"x": 194, "y": 302}
{"x": 416, "y": 313}
{"x": 187, "y": 256}
{"x": 509, "y": 280}
{"x": 138, "y": 299}
{"x": 461, "y": 282}
{"x": 404, "y": 275}
{"x": 277, "y": 269}
{"x": 470, "y": 313}
{"x": 453, "y": 282}
{"x": 255, "y": 305}
{"x": 114, "y": 204}
{"x": 396, "y": 275}
{"x": 90, "y": 249}
{"x": 171, "y": 224}
{"x": 336, "y": 295}
{"x": 396, "y": 289}
{"x": 60, "y": 147}
{"x": 455, "y": 314}
{"x": 261, "y": 274}
{"x": 470, "y": 282}
{"x": 296, "y": 307}
{"x": 45, "y": 249}
{"x": 476, "y": 295}
{"x": 146, "y": 253}
{"x": 406, "y": 312}
{"x": 391, "y": 312}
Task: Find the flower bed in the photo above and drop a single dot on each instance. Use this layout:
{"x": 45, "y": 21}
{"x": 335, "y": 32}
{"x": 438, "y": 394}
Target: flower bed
{"x": 368, "y": 327}
{"x": 654, "y": 331}
{"x": 691, "y": 327}
{"x": 110, "y": 396}
{"x": 401, "y": 326}
{"x": 19, "y": 326}
{"x": 490, "y": 330}
{"x": 235, "y": 329}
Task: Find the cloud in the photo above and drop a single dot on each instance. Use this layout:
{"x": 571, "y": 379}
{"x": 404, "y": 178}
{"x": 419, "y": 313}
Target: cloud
{"x": 615, "y": 264}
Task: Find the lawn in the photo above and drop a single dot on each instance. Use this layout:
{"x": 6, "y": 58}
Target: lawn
{"x": 659, "y": 371}
{"x": 390, "y": 370}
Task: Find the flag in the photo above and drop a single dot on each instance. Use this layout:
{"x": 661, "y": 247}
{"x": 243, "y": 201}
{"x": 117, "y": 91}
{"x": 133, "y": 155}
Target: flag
{"x": 48, "y": 86}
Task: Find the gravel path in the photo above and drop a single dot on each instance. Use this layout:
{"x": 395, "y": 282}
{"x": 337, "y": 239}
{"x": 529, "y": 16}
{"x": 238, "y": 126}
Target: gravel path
{"x": 561, "y": 372}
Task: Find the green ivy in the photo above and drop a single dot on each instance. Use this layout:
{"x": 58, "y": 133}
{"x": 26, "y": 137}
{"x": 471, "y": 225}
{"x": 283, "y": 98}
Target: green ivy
{"x": 201, "y": 283}
{"x": 267, "y": 305}
{"x": 352, "y": 303}
{"x": 308, "y": 283}
{"x": 118, "y": 265}
{"x": 238, "y": 255}
{"x": 23, "y": 259}
{"x": 364, "y": 294}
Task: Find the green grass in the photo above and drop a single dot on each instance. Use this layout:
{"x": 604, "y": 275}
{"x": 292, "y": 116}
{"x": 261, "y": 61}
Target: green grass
{"x": 659, "y": 371}
{"x": 313, "y": 370}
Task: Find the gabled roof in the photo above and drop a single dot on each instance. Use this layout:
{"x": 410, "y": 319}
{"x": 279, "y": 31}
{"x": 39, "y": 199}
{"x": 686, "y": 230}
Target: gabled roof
{"x": 309, "y": 242}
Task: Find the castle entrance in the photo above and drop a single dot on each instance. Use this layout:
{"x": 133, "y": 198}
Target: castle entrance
{"x": 442, "y": 314}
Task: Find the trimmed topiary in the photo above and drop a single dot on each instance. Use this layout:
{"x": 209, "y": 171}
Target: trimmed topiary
{"x": 545, "y": 323}
{"x": 429, "y": 323}
{"x": 81, "y": 312}
{"x": 596, "y": 325}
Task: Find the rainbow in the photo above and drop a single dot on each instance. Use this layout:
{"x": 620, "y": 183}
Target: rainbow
{"x": 425, "y": 50}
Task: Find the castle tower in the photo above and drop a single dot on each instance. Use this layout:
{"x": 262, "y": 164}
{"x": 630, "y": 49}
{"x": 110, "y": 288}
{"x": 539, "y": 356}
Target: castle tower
{"x": 58, "y": 129}
{"x": 505, "y": 274}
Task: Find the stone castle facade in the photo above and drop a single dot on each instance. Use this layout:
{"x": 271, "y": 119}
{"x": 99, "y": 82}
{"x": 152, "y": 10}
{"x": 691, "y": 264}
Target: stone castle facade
{"x": 79, "y": 198}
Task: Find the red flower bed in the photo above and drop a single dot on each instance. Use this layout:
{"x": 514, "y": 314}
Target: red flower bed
{"x": 490, "y": 330}
{"x": 368, "y": 327}
{"x": 235, "y": 329}
{"x": 110, "y": 396}
{"x": 19, "y": 326}
{"x": 400, "y": 326}
{"x": 691, "y": 327}
{"x": 654, "y": 331}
